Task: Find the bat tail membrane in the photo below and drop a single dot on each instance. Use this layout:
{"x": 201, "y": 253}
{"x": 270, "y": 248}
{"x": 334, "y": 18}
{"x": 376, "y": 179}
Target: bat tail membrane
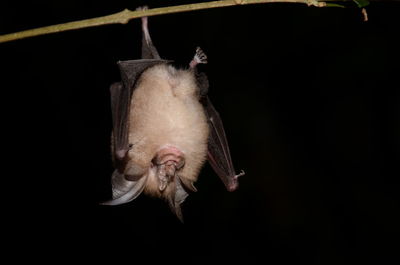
{"x": 124, "y": 190}
{"x": 149, "y": 51}
{"x": 218, "y": 154}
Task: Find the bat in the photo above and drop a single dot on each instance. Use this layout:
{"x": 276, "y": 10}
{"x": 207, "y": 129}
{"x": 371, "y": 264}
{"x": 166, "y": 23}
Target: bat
{"x": 164, "y": 129}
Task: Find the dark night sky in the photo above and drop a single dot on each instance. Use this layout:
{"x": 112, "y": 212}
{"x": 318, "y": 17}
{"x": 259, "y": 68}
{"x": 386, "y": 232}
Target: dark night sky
{"x": 310, "y": 101}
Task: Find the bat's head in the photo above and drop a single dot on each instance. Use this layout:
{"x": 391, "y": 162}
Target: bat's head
{"x": 168, "y": 160}
{"x": 164, "y": 180}
{"x": 160, "y": 179}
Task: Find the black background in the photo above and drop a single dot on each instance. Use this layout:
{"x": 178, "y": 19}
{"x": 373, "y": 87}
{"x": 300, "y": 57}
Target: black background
{"x": 310, "y": 102}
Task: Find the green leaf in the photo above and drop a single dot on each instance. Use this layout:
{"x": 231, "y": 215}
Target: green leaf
{"x": 361, "y": 3}
{"x": 334, "y": 5}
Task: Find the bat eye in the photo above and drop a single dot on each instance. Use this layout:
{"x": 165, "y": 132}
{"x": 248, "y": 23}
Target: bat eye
{"x": 130, "y": 146}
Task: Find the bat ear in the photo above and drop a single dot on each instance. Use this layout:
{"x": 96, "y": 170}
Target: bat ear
{"x": 177, "y": 198}
{"x": 124, "y": 190}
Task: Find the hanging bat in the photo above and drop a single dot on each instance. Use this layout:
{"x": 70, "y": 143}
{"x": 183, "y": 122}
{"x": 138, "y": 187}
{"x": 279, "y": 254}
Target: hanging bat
{"x": 164, "y": 128}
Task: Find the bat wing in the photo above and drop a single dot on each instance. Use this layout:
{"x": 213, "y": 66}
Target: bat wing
{"x": 123, "y": 190}
{"x": 218, "y": 154}
{"x": 121, "y": 94}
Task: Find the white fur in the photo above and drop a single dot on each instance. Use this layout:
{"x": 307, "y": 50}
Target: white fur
{"x": 165, "y": 110}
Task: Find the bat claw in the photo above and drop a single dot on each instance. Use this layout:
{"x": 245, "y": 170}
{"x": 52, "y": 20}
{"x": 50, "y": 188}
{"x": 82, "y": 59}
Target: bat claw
{"x": 242, "y": 173}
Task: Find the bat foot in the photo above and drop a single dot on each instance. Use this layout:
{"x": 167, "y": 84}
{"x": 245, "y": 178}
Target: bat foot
{"x": 199, "y": 58}
{"x": 142, "y": 8}
{"x": 145, "y": 28}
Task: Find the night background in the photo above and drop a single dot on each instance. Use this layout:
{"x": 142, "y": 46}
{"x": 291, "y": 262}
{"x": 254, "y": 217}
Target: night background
{"x": 311, "y": 106}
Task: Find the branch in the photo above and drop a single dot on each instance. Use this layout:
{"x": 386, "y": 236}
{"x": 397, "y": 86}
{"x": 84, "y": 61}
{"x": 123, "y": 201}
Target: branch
{"x": 124, "y": 16}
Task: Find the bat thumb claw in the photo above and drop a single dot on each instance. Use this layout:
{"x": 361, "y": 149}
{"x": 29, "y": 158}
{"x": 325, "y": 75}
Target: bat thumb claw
{"x": 242, "y": 173}
{"x": 121, "y": 153}
{"x": 234, "y": 183}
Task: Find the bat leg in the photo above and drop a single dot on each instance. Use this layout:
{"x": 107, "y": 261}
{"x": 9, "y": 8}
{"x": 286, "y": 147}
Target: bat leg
{"x": 218, "y": 154}
{"x": 145, "y": 28}
{"x": 199, "y": 58}
{"x": 149, "y": 51}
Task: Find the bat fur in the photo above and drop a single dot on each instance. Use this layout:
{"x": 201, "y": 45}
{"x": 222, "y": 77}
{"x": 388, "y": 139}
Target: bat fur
{"x": 166, "y": 114}
{"x": 165, "y": 128}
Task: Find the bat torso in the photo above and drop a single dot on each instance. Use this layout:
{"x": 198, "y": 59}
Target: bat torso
{"x": 167, "y": 117}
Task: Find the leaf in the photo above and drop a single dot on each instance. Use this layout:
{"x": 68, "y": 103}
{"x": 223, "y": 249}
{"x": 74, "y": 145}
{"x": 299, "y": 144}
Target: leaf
{"x": 334, "y": 5}
{"x": 361, "y": 3}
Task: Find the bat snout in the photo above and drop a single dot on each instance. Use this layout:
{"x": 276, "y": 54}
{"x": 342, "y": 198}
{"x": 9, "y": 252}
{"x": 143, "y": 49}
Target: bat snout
{"x": 168, "y": 160}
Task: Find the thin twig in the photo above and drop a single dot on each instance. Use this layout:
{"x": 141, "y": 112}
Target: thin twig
{"x": 124, "y": 16}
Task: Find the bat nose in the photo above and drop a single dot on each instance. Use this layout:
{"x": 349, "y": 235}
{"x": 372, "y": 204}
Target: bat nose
{"x": 166, "y": 174}
{"x": 168, "y": 160}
